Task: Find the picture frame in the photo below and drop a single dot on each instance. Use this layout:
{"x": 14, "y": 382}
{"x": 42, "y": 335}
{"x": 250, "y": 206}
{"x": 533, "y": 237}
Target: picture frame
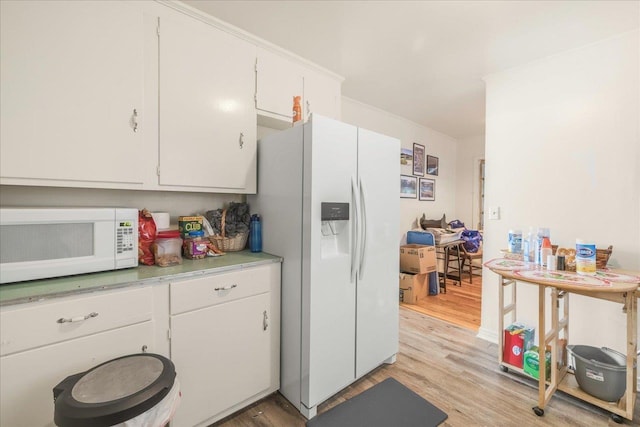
{"x": 406, "y": 157}
{"x": 432, "y": 165}
{"x": 427, "y": 189}
{"x": 408, "y": 187}
{"x": 418, "y": 159}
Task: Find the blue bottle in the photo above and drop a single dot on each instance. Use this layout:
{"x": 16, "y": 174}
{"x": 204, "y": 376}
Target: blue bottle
{"x": 255, "y": 234}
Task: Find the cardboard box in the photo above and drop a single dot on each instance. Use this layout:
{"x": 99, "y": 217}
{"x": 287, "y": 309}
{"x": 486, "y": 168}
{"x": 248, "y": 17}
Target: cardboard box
{"x": 413, "y": 287}
{"x": 532, "y": 363}
{"x": 417, "y": 259}
{"x": 518, "y": 338}
{"x": 187, "y": 224}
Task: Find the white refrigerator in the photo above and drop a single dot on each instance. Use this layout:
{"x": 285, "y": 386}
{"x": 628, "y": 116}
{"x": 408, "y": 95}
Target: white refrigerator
{"x": 328, "y": 195}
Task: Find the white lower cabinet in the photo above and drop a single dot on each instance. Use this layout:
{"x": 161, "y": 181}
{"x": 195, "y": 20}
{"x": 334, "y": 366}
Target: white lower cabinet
{"x": 38, "y": 351}
{"x": 225, "y": 342}
{"x": 222, "y": 332}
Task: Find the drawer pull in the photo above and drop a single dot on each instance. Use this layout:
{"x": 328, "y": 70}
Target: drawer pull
{"x": 226, "y": 288}
{"x": 77, "y": 318}
{"x": 265, "y": 321}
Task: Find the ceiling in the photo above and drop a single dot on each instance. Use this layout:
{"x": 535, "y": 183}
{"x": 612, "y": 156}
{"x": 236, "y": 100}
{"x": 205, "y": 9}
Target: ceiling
{"x": 425, "y": 60}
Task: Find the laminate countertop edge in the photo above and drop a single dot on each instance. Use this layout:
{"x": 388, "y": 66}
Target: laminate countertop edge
{"x": 40, "y": 290}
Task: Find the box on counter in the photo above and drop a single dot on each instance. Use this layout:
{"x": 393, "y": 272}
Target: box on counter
{"x": 417, "y": 259}
{"x": 532, "y": 362}
{"x": 186, "y": 224}
{"x": 413, "y": 287}
{"x": 518, "y": 338}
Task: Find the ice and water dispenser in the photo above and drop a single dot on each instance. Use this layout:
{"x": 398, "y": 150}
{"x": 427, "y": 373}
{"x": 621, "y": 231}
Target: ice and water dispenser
{"x": 335, "y": 228}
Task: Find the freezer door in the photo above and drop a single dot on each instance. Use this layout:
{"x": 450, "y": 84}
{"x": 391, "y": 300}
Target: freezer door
{"x": 328, "y": 293}
{"x": 377, "y": 285}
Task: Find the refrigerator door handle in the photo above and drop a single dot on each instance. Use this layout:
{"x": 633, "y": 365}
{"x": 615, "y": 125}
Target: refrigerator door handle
{"x": 355, "y": 242}
{"x": 363, "y": 231}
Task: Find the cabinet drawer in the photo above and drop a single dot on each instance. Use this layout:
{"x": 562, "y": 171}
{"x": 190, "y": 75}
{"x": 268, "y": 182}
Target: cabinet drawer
{"x": 28, "y": 326}
{"x": 219, "y": 288}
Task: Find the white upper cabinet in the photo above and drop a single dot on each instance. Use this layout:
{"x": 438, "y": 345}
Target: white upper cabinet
{"x": 72, "y": 93}
{"x": 322, "y": 95}
{"x": 278, "y": 80}
{"x": 207, "y": 123}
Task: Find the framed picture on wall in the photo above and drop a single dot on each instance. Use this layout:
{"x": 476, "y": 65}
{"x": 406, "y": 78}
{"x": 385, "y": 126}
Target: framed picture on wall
{"x": 418, "y": 159}
{"x": 427, "y": 189}
{"x": 406, "y": 157}
{"x": 408, "y": 186}
{"x": 432, "y": 165}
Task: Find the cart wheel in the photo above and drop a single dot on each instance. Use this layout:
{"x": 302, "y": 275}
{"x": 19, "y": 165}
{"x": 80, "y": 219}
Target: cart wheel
{"x": 617, "y": 418}
{"x": 538, "y": 411}
{"x": 504, "y": 368}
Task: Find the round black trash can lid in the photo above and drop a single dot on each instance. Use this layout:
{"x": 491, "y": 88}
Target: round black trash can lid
{"x": 114, "y": 391}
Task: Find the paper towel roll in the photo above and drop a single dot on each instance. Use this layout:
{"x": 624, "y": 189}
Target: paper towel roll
{"x": 161, "y": 219}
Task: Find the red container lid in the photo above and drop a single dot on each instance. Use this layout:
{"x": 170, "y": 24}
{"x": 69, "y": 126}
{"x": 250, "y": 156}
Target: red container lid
{"x": 168, "y": 234}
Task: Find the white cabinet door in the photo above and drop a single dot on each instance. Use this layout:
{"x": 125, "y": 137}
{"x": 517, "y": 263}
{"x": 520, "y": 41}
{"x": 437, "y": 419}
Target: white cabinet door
{"x": 207, "y": 112}
{"x": 28, "y": 378}
{"x": 222, "y": 356}
{"x": 278, "y": 80}
{"x": 322, "y": 95}
{"x": 72, "y": 83}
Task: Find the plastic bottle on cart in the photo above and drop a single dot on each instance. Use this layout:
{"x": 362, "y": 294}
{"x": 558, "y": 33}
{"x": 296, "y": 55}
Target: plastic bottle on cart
{"x": 542, "y": 233}
{"x": 545, "y": 251}
{"x": 527, "y": 246}
{"x": 255, "y": 236}
{"x": 515, "y": 241}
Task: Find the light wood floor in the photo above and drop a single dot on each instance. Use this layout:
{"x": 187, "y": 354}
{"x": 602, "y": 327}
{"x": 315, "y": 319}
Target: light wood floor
{"x": 454, "y": 370}
{"x": 460, "y": 305}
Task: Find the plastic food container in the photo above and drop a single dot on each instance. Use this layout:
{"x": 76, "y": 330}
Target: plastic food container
{"x": 601, "y": 372}
{"x": 195, "y": 246}
{"x": 167, "y": 248}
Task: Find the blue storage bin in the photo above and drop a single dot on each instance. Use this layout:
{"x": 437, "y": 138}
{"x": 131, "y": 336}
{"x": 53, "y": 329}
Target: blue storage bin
{"x": 420, "y": 238}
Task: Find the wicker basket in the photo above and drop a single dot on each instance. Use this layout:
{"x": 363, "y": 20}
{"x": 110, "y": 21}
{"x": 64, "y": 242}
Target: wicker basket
{"x": 602, "y": 258}
{"x": 229, "y": 244}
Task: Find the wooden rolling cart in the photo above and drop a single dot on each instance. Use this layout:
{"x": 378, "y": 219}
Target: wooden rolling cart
{"x": 625, "y": 293}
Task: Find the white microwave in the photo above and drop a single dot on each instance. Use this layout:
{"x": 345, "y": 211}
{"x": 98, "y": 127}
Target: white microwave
{"x": 39, "y": 243}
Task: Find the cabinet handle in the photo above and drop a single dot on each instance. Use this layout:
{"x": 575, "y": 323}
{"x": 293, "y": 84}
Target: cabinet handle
{"x": 265, "y": 321}
{"x": 77, "y": 318}
{"x": 134, "y": 120}
{"x": 241, "y": 141}
{"x": 226, "y": 288}
{"x": 308, "y": 109}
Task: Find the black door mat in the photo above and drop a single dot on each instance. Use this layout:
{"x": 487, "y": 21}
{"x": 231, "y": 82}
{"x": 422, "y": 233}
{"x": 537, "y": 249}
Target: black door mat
{"x": 386, "y": 404}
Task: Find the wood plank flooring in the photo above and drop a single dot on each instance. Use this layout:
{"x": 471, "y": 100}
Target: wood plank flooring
{"x": 460, "y": 305}
{"x": 454, "y": 370}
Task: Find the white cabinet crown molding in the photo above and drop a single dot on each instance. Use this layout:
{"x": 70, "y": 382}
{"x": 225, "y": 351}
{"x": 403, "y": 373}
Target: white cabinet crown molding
{"x": 245, "y": 35}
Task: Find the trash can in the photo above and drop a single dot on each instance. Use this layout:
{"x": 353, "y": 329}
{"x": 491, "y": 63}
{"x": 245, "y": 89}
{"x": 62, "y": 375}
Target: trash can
{"x": 134, "y": 390}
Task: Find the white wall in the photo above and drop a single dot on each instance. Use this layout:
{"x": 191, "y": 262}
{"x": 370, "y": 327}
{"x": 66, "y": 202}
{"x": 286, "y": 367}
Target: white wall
{"x": 176, "y": 203}
{"x": 435, "y": 143}
{"x": 470, "y": 152}
{"x": 563, "y": 151}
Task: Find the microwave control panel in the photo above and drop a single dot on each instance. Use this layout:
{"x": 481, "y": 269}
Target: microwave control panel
{"x": 126, "y": 240}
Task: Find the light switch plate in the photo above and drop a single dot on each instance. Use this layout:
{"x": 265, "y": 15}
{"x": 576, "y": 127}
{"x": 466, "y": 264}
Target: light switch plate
{"x": 494, "y": 213}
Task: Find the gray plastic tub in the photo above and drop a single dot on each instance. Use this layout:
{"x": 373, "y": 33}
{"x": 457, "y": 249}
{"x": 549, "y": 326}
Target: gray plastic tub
{"x": 601, "y": 372}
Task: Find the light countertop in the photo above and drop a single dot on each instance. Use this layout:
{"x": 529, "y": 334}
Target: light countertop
{"x": 36, "y": 290}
